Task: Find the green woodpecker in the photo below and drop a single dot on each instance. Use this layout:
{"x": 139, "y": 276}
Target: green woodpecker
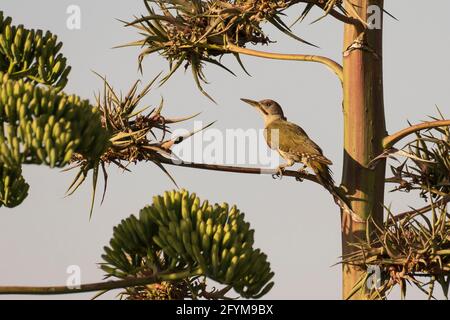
{"x": 292, "y": 142}
{"x": 294, "y": 145}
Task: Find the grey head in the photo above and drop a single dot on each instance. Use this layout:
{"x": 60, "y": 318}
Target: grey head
{"x": 268, "y": 108}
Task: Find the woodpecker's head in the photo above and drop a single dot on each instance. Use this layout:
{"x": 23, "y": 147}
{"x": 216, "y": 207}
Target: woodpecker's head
{"x": 269, "y": 109}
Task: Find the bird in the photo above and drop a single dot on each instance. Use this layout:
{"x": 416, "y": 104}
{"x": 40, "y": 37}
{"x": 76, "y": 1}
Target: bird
{"x": 295, "y": 146}
{"x": 292, "y": 142}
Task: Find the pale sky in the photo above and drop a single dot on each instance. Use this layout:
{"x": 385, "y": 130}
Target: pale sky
{"x": 297, "y": 224}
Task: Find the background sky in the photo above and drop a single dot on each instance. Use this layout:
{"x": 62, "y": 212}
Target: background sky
{"x": 297, "y": 224}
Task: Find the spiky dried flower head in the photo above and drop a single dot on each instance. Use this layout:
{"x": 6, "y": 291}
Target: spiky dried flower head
{"x": 414, "y": 245}
{"x": 197, "y": 32}
{"x": 138, "y": 133}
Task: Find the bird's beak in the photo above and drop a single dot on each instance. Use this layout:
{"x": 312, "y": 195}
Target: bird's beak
{"x": 251, "y": 102}
{"x": 255, "y": 104}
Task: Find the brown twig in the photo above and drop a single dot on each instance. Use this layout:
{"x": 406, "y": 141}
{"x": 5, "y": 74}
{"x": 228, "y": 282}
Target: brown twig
{"x": 331, "y": 64}
{"x": 392, "y": 139}
{"x": 223, "y": 168}
{"x": 335, "y": 14}
{"x": 98, "y": 286}
{"x": 415, "y": 212}
{"x": 343, "y": 18}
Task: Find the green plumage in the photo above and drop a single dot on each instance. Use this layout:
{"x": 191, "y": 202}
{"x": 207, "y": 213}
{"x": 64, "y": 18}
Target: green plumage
{"x": 294, "y": 145}
{"x": 292, "y": 140}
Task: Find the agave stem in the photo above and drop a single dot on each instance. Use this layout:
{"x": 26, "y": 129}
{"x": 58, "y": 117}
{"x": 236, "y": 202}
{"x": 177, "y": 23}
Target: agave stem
{"x": 100, "y": 286}
{"x": 331, "y": 64}
{"x": 364, "y": 130}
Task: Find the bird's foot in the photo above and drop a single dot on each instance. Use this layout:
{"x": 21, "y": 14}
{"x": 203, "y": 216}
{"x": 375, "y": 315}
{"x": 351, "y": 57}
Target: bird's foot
{"x": 301, "y": 171}
{"x": 279, "y": 174}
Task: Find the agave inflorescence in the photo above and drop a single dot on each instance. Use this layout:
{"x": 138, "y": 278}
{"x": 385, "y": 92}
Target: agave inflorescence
{"x": 43, "y": 126}
{"x": 407, "y": 251}
{"x": 414, "y": 245}
{"x": 166, "y": 290}
{"x": 179, "y": 238}
{"x": 135, "y": 135}
{"x": 32, "y": 55}
{"x": 39, "y": 124}
{"x": 198, "y": 32}
{"x": 427, "y": 169}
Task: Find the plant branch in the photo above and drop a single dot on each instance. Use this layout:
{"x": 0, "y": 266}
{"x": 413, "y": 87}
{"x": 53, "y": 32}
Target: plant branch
{"x": 98, "y": 286}
{"x": 415, "y": 212}
{"x": 343, "y": 18}
{"x": 392, "y": 139}
{"x": 214, "y": 167}
{"x": 331, "y": 64}
{"x": 335, "y": 14}
{"x": 336, "y": 192}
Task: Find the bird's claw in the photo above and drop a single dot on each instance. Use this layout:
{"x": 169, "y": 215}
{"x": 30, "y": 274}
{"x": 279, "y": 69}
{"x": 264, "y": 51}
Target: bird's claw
{"x": 301, "y": 171}
{"x": 279, "y": 174}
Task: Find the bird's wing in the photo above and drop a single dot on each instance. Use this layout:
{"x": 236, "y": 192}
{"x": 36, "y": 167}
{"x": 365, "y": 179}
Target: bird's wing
{"x": 293, "y": 140}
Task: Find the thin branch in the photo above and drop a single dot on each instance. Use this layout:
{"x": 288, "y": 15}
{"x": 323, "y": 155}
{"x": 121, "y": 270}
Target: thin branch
{"x": 214, "y": 167}
{"x": 98, "y": 286}
{"x": 336, "y": 192}
{"x": 345, "y": 19}
{"x": 416, "y": 212}
{"x": 331, "y": 64}
{"x": 336, "y": 14}
{"x": 392, "y": 139}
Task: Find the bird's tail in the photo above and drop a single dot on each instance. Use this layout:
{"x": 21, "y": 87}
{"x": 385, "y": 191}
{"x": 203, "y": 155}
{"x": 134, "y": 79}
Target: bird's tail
{"x": 325, "y": 178}
{"x": 323, "y": 174}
